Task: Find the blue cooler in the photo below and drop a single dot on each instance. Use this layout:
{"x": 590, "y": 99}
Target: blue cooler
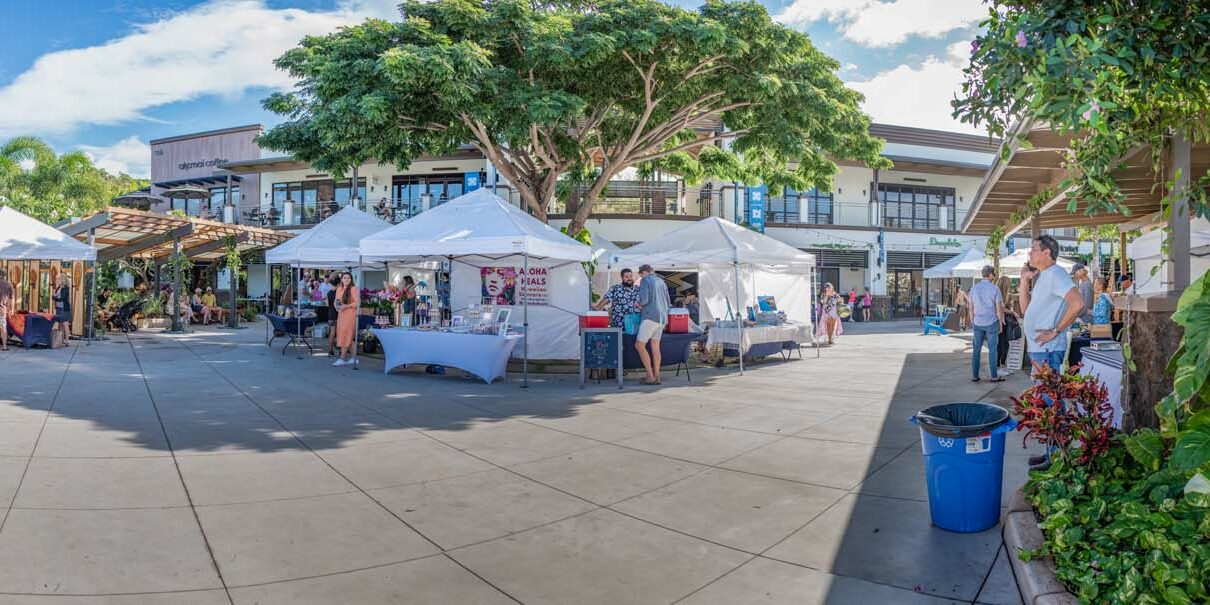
{"x": 963, "y": 447}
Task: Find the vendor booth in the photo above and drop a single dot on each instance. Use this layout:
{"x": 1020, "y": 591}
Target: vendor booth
{"x": 1012, "y": 264}
{"x": 1147, "y": 253}
{"x": 331, "y": 244}
{"x": 741, "y": 274}
{"x": 512, "y": 277}
{"x": 967, "y": 265}
{"x": 34, "y": 254}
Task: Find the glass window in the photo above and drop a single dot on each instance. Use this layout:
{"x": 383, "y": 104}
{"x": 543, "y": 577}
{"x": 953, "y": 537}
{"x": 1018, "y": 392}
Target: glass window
{"x": 913, "y": 207}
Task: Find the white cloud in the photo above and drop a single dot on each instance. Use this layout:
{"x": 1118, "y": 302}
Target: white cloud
{"x": 223, "y": 47}
{"x": 875, "y": 23}
{"x": 130, "y": 155}
{"x": 916, "y": 95}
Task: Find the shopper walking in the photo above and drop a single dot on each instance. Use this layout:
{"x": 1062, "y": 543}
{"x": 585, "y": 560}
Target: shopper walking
{"x": 653, "y": 306}
{"x": 963, "y": 303}
{"x": 347, "y": 302}
{"x": 987, "y": 315}
{"x": 829, "y": 315}
{"x": 867, "y": 301}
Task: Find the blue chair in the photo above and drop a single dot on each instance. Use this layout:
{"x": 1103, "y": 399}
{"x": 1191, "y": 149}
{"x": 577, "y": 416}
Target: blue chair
{"x": 936, "y": 323}
{"x": 294, "y": 328}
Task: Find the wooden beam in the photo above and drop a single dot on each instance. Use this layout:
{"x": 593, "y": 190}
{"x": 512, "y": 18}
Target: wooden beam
{"x": 143, "y": 243}
{"x": 205, "y": 247}
{"x": 82, "y": 226}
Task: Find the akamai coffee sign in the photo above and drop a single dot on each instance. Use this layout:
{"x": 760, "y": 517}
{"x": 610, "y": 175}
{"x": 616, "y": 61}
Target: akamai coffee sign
{"x": 202, "y": 154}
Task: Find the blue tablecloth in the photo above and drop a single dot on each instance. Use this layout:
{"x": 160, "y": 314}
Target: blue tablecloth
{"x": 674, "y": 349}
{"x": 484, "y": 355}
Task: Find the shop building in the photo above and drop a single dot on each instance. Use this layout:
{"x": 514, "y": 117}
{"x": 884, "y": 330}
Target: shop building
{"x": 876, "y": 229}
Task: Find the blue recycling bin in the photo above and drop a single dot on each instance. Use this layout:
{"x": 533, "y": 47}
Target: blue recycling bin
{"x": 963, "y": 447}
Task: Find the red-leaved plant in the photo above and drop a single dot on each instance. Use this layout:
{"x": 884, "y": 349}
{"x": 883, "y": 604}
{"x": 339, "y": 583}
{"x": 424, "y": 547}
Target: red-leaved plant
{"x": 1081, "y": 426}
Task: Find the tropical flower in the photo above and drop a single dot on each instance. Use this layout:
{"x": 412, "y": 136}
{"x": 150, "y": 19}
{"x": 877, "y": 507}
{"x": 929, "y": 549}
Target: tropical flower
{"x": 1022, "y": 42}
{"x": 1092, "y": 109}
{"x": 974, "y": 46}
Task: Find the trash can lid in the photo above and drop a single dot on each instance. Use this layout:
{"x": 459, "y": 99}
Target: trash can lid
{"x": 959, "y": 420}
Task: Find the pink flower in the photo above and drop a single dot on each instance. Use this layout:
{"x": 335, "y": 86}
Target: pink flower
{"x": 974, "y": 46}
{"x": 1021, "y": 41}
{"x": 1094, "y": 108}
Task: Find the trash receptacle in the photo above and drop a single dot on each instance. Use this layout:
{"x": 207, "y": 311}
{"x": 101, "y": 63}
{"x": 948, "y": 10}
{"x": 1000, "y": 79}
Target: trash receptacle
{"x": 963, "y": 447}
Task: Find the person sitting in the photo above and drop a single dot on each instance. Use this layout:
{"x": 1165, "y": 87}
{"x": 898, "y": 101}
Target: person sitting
{"x": 382, "y": 210}
{"x": 186, "y": 310}
{"x": 211, "y": 303}
{"x": 199, "y": 307}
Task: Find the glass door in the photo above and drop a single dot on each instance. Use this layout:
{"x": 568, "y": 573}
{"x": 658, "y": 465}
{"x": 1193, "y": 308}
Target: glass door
{"x": 905, "y": 292}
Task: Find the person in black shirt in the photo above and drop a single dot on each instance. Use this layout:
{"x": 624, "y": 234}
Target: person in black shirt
{"x": 62, "y": 300}
{"x": 334, "y": 282}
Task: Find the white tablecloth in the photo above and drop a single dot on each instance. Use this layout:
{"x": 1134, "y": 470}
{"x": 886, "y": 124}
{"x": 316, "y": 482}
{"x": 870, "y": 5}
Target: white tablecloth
{"x": 792, "y": 332}
{"x": 1106, "y": 367}
{"x": 484, "y": 355}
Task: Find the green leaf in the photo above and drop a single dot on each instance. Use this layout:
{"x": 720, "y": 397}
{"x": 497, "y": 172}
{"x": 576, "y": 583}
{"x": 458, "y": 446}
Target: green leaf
{"x": 1192, "y": 449}
{"x": 1146, "y": 447}
{"x": 1197, "y": 491}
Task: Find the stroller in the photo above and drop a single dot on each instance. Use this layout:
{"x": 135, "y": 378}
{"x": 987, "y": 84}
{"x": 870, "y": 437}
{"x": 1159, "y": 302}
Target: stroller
{"x": 123, "y": 319}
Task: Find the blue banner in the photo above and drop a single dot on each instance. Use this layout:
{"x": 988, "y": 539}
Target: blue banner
{"x": 470, "y": 182}
{"x": 756, "y": 207}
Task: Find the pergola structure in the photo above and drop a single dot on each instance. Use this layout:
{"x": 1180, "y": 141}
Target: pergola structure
{"x": 127, "y": 233}
{"x": 1031, "y": 162}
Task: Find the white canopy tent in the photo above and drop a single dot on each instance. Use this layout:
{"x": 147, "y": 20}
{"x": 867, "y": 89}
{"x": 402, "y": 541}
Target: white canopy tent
{"x": 331, "y": 244}
{"x": 602, "y": 250}
{"x": 1147, "y": 254}
{"x": 967, "y": 264}
{"x": 1012, "y": 264}
{"x": 480, "y": 235}
{"x": 23, "y": 237}
{"x": 732, "y": 262}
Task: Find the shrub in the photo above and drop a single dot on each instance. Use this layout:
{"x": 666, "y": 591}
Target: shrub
{"x": 1081, "y": 425}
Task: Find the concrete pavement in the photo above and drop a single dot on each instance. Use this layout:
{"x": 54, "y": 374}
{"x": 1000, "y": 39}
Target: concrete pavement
{"x": 206, "y": 468}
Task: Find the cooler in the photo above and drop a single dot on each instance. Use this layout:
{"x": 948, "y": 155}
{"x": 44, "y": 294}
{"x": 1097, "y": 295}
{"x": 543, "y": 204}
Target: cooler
{"x": 594, "y": 319}
{"x": 678, "y": 321}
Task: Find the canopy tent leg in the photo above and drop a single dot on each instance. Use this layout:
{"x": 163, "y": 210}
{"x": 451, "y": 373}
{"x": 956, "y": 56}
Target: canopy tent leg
{"x": 524, "y": 323}
{"x": 739, "y": 321}
{"x": 298, "y": 307}
{"x": 361, "y": 274}
{"x": 233, "y": 285}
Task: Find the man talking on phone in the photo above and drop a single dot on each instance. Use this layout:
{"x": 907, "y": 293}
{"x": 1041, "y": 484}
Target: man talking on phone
{"x": 1051, "y": 302}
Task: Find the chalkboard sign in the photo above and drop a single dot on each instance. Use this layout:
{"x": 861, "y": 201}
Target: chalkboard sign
{"x": 600, "y": 349}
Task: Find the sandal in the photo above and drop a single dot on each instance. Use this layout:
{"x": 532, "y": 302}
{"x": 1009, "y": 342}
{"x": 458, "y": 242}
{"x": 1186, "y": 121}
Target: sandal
{"x": 644, "y": 381}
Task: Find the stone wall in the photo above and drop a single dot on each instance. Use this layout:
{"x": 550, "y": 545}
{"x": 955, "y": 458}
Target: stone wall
{"x": 1154, "y": 338}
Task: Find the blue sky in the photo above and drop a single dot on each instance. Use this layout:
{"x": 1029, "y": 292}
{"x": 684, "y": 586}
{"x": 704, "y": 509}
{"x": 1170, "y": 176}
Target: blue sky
{"x": 106, "y": 77}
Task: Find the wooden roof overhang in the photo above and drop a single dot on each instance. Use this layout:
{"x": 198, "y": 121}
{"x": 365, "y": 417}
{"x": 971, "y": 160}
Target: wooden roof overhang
{"x": 1022, "y": 171}
{"x": 124, "y": 232}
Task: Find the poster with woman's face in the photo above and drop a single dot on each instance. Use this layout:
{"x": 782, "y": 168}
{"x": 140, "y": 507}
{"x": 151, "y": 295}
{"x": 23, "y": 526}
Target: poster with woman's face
{"x": 499, "y": 285}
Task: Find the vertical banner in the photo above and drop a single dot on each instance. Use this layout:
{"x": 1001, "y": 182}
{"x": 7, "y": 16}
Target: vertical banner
{"x": 470, "y": 182}
{"x": 756, "y": 207}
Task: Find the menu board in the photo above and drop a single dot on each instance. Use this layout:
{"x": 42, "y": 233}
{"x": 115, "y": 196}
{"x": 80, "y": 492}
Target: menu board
{"x": 600, "y": 349}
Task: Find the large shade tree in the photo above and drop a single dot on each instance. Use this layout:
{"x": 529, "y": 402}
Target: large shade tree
{"x": 589, "y": 89}
{"x": 51, "y": 187}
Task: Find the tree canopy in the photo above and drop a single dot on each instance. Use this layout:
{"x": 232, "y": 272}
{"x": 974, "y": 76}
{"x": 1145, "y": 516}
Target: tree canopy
{"x": 1116, "y": 74}
{"x": 52, "y": 187}
{"x": 548, "y": 89}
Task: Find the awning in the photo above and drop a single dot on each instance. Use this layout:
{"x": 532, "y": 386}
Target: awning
{"x": 123, "y": 232}
{"x": 1023, "y": 170}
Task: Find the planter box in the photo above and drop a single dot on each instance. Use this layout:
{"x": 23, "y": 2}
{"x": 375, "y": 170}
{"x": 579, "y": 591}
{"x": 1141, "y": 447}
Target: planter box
{"x": 1036, "y": 579}
{"x": 152, "y": 324}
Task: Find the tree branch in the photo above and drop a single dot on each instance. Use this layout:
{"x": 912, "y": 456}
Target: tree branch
{"x": 683, "y": 146}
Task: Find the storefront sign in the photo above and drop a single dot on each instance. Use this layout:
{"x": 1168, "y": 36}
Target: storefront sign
{"x": 509, "y": 285}
{"x": 756, "y": 207}
{"x": 832, "y": 246}
{"x": 945, "y": 243}
{"x": 201, "y": 164}
{"x": 470, "y": 181}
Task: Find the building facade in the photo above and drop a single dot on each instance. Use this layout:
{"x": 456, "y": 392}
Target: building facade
{"x": 875, "y": 229}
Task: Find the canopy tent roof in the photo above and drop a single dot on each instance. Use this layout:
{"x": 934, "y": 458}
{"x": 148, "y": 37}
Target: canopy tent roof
{"x": 714, "y": 241}
{"x": 967, "y": 264}
{"x": 124, "y": 232}
{"x": 479, "y": 223}
{"x": 23, "y": 237}
{"x": 332, "y": 243}
{"x": 1012, "y": 264}
{"x": 1149, "y": 244}
{"x": 1031, "y": 161}
{"x": 602, "y": 247}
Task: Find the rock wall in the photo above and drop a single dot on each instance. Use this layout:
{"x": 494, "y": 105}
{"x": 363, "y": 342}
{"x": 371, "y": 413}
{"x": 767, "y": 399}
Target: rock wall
{"x": 1154, "y": 338}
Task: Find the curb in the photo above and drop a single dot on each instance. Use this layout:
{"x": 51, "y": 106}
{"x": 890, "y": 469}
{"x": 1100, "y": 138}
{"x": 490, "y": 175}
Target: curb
{"x": 1036, "y": 579}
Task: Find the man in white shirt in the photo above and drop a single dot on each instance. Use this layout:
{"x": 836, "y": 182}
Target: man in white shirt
{"x": 987, "y": 312}
{"x": 1051, "y": 304}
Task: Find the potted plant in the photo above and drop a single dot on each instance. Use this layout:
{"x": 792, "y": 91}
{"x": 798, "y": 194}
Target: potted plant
{"x": 153, "y": 314}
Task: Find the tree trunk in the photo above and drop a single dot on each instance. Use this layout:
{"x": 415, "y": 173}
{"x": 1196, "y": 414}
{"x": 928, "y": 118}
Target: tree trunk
{"x": 584, "y": 210}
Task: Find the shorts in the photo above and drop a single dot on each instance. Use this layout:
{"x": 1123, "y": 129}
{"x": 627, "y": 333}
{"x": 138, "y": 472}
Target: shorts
{"x": 649, "y": 330}
{"x": 196, "y": 308}
{"x": 63, "y": 317}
